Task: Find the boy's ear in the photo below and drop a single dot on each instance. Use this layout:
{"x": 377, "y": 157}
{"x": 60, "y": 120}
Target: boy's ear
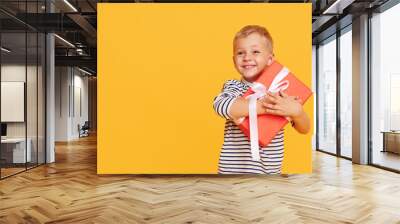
{"x": 270, "y": 60}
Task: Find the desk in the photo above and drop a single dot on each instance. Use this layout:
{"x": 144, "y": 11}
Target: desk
{"x": 17, "y": 150}
{"x": 391, "y": 141}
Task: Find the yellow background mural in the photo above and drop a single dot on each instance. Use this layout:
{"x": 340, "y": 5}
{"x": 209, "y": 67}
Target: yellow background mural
{"x": 160, "y": 67}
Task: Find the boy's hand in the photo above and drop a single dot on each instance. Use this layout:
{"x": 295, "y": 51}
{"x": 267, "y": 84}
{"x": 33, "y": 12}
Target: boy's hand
{"x": 283, "y": 105}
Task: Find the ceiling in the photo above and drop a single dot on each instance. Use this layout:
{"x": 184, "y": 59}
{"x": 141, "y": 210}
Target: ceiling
{"x": 76, "y": 22}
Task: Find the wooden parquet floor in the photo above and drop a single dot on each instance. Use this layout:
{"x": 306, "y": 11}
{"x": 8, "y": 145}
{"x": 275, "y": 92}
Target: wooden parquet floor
{"x": 70, "y": 191}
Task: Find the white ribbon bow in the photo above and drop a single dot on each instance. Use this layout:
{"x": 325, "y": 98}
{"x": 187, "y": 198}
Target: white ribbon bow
{"x": 259, "y": 91}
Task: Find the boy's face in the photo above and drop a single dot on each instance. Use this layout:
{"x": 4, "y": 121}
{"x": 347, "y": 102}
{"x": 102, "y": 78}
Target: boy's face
{"x": 251, "y": 56}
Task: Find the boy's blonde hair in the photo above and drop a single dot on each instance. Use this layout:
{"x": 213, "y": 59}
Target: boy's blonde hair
{"x": 249, "y": 29}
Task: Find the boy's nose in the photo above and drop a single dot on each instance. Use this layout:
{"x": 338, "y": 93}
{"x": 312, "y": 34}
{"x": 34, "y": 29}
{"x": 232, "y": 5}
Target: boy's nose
{"x": 247, "y": 57}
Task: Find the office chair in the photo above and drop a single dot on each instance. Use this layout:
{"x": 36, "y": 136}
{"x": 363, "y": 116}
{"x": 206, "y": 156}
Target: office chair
{"x": 84, "y": 130}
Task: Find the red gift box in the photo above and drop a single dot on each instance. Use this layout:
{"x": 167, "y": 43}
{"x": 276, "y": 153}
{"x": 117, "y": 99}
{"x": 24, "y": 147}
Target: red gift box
{"x": 269, "y": 125}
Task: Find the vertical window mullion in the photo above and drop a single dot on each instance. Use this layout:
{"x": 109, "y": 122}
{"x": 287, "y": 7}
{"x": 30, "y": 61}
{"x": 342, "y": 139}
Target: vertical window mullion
{"x": 338, "y": 74}
{"x": 369, "y": 100}
{"x": 0, "y": 93}
{"x": 37, "y": 90}
{"x": 317, "y": 96}
{"x": 26, "y": 86}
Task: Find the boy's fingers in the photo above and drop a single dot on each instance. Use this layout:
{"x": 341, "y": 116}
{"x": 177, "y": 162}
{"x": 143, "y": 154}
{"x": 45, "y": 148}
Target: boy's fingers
{"x": 271, "y": 106}
{"x": 295, "y": 97}
{"x": 274, "y": 112}
{"x": 278, "y": 95}
{"x": 273, "y": 95}
{"x": 283, "y": 94}
{"x": 263, "y": 97}
{"x": 270, "y": 111}
{"x": 270, "y": 99}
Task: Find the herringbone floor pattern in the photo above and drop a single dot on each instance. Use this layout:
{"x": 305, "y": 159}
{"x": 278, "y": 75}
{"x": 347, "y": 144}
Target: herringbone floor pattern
{"x": 70, "y": 191}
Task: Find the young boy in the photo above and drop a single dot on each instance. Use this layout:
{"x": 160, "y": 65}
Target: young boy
{"x": 252, "y": 52}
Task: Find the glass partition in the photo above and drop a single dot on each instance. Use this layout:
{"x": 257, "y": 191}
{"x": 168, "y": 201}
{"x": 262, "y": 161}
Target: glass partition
{"x": 22, "y": 77}
{"x": 385, "y": 89}
{"x": 33, "y": 72}
{"x": 14, "y": 154}
{"x": 32, "y": 95}
{"x": 346, "y": 93}
{"x": 41, "y": 85}
{"x": 327, "y": 96}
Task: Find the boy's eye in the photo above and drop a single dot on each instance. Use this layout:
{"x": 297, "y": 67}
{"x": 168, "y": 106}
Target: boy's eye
{"x": 256, "y": 52}
{"x": 240, "y": 53}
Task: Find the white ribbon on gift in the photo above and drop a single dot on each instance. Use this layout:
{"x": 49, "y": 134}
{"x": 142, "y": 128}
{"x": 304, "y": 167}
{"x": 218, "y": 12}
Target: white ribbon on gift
{"x": 259, "y": 91}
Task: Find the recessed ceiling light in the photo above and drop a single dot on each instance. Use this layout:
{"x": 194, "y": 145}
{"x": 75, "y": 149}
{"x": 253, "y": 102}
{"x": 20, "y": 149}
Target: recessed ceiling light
{"x": 84, "y": 71}
{"x": 5, "y": 50}
{"x": 71, "y": 6}
{"x": 337, "y": 7}
{"x": 64, "y": 40}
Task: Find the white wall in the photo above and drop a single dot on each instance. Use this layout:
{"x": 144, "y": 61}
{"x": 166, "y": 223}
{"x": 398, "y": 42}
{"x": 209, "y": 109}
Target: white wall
{"x": 62, "y": 78}
{"x": 71, "y": 87}
{"x": 12, "y": 73}
{"x": 33, "y": 127}
{"x": 13, "y": 101}
{"x": 81, "y": 82}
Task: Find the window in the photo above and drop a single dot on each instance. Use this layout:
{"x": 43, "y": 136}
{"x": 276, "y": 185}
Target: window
{"x": 346, "y": 74}
{"x": 327, "y": 96}
{"x": 385, "y": 89}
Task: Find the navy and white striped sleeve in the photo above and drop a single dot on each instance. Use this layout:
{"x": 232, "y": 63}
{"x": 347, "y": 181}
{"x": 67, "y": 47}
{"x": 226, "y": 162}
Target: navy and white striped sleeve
{"x": 224, "y": 100}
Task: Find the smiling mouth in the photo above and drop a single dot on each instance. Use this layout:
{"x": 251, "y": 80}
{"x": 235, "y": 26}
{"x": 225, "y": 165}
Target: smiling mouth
{"x": 248, "y": 66}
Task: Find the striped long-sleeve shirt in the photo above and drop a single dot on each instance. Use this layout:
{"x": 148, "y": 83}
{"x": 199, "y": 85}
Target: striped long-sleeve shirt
{"x": 235, "y": 156}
